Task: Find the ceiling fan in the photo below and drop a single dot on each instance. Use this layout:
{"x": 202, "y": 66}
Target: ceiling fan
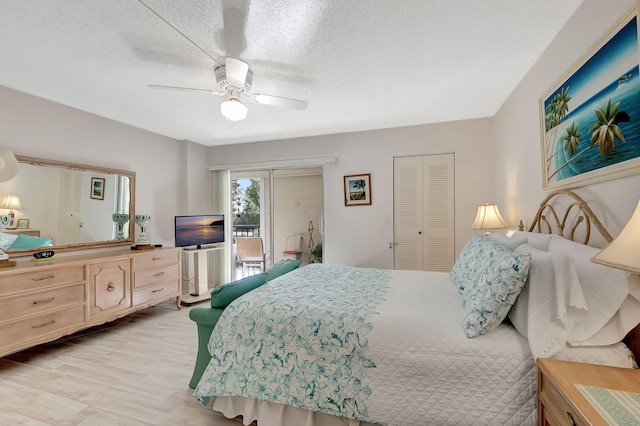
{"x": 234, "y": 78}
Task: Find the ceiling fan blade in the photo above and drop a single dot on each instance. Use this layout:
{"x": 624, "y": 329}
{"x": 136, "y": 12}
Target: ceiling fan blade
{"x": 278, "y": 101}
{"x": 186, "y": 89}
{"x": 236, "y": 71}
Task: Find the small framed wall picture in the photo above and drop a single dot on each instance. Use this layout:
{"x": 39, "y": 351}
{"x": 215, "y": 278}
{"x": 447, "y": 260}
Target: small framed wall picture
{"x": 97, "y": 188}
{"x": 23, "y": 224}
{"x": 357, "y": 190}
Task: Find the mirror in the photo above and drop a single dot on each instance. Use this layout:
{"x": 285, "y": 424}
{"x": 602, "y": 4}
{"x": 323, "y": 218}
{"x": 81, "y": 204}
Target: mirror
{"x": 72, "y": 204}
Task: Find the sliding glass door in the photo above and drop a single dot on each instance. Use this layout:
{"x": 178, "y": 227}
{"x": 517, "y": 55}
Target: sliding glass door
{"x": 281, "y": 206}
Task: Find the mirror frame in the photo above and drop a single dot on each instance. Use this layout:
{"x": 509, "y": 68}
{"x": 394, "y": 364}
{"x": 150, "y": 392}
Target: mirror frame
{"x": 83, "y": 167}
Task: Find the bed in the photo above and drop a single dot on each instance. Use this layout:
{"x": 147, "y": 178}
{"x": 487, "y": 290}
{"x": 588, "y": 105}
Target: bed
{"x": 337, "y": 345}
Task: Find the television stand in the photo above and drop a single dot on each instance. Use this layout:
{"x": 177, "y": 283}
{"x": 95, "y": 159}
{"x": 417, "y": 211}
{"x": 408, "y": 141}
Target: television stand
{"x": 201, "y": 274}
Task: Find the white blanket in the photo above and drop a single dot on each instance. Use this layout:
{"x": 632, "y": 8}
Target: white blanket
{"x": 415, "y": 365}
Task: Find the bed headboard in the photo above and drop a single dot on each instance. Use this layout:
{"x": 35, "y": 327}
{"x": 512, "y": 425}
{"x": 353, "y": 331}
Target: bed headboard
{"x": 576, "y": 213}
{"x": 583, "y": 215}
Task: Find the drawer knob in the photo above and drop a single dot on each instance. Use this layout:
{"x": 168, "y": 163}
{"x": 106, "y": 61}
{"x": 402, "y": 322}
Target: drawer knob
{"x": 157, "y": 258}
{"x": 46, "y": 277}
{"x": 36, "y": 302}
{"x": 110, "y": 287}
{"x": 158, "y": 290}
{"x": 571, "y": 421}
{"x": 44, "y": 325}
{"x": 159, "y": 274}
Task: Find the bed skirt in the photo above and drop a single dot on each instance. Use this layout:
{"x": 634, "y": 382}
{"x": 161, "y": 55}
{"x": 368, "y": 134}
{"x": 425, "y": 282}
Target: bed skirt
{"x": 274, "y": 414}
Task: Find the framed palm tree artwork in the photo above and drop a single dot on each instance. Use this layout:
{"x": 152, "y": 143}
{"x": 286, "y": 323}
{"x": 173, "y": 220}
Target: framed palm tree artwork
{"x": 591, "y": 118}
{"x": 357, "y": 190}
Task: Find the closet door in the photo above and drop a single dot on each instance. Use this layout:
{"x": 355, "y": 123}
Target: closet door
{"x": 424, "y": 212}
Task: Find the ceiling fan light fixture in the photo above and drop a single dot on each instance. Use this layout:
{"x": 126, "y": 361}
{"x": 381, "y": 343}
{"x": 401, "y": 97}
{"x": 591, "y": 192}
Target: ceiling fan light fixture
{"x": 233, "y": 110}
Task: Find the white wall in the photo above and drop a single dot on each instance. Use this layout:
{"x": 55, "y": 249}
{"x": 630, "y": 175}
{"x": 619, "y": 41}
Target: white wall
{"x": 360, "y": 235}
{"x": 36, "y": 127}
{"x": 517, "y": 125}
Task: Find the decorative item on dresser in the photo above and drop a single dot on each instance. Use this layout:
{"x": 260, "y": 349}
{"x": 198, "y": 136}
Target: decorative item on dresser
{"x": 23, "y": 224}
{"x": 142, "y": 242}
{"x": 40, "y": 302}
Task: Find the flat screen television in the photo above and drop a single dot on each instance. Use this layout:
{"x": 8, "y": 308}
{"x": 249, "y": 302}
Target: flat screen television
{"x": 200, "y": 230}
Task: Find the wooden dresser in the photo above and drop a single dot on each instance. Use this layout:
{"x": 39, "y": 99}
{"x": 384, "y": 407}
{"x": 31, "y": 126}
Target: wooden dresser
{"x": 42, "y": 301}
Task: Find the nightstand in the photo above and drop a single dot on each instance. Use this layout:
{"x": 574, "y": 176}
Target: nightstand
{"x": 560, "y": 402}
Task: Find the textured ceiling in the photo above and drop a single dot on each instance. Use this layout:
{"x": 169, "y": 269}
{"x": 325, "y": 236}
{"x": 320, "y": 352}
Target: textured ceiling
{"x": 360, "y": 64}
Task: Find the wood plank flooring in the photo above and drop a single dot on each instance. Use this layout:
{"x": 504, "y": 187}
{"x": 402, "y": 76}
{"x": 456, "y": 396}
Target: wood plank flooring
{"x": 133, "y": 371}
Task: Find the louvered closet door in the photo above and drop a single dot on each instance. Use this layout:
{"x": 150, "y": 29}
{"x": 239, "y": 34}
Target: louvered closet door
{"x": 424, "y": 212}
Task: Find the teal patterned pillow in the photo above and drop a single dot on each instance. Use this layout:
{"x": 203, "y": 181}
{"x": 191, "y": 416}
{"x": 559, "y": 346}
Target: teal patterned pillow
{"x": 464, "y": 270}
{"x": 490, "y": 278}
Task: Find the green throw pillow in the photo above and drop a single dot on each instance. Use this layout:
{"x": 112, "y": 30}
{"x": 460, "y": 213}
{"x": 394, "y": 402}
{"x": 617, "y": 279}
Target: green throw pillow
{"x": 28, "y": 241}
{"x": 222, "y": 295}
{"x": 282, "y": 267}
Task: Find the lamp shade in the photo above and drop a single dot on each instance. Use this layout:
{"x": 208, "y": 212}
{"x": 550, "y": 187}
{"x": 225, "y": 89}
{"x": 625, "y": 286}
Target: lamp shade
{"x": 8, "y": 164}
{"x": 11, "y": 202}
{"x": 233, "y": 110}
{"x": 488, "y": 217}
{"x": 624, "y": 251}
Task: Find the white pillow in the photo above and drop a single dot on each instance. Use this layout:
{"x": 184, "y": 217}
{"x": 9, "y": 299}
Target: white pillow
{"x": 627, "y": 317}
{"x": 605, "y": 290}
{"x": 536, "y": 239}
{"x": 510, "y": 242}
{"x": 550, "y": 302}
{"x": 6, "y": 240}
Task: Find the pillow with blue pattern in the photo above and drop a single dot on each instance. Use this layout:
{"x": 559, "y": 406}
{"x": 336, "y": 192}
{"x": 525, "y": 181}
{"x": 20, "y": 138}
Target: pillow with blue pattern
{"x": 490, "y": 278}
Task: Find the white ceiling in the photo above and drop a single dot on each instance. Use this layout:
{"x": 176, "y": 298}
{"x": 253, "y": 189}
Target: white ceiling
{"x": 360, "y": 64}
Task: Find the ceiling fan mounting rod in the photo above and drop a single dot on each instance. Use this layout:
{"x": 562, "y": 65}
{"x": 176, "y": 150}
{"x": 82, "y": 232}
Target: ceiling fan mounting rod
{"x": 180, "y": 32}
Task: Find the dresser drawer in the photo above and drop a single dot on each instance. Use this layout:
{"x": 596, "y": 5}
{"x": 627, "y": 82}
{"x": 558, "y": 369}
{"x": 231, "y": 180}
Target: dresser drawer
{"x": 34, "y": 280}
{"x": 153, "y": 276}
{"x": 11, "y": 335}
{"x": 157, "y": 258}
{"x": 36, "y": 303}
{"x": 158, "y": 291}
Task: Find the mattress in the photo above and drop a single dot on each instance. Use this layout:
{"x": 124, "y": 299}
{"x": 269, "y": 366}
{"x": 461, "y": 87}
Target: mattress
{"x": 423, "y": 369}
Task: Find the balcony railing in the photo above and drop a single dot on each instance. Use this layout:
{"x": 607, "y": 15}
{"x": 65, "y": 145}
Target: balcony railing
{"x": 246, "y": 230}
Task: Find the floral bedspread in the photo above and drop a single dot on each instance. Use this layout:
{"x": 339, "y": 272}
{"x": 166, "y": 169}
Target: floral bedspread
{"x": 300, "y": 340}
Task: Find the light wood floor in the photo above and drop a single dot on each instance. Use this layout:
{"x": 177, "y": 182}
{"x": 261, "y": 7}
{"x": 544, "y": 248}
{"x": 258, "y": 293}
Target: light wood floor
{"x": 134, "y": 371}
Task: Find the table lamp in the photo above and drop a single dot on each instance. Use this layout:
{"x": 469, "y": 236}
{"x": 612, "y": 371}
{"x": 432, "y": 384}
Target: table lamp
{"x": 488, "y": 217}
{"x": 624, "y": 251}
{"x": 12, "y": 203}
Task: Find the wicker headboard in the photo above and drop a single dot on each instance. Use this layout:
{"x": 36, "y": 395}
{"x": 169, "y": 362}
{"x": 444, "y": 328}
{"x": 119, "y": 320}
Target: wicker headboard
{"x": 576, "y": 213}
{"x": 583, "y": 215}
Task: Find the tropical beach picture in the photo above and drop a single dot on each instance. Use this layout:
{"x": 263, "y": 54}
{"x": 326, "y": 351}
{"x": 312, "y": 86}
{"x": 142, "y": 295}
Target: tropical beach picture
{"x": 591, "y": 122}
